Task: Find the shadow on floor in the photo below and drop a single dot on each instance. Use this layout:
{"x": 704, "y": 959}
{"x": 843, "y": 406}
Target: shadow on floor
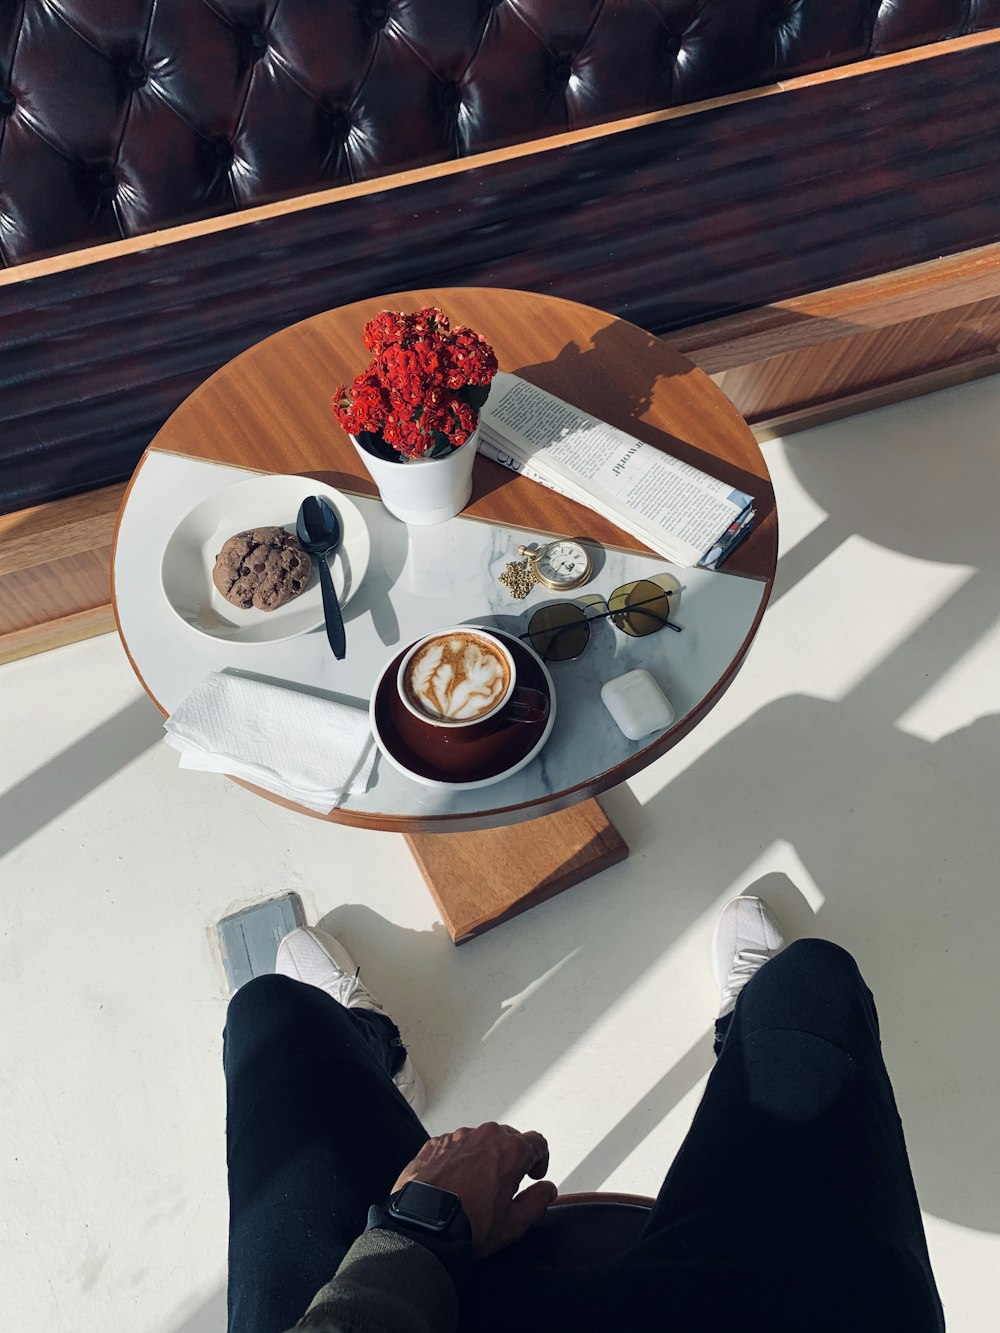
{"x": 208, "y": 1318}
{"x": 72, "y": 774}
{"x": 620, "y": 1142}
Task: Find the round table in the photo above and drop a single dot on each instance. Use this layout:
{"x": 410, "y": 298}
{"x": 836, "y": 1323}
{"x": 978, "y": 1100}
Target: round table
{"x": 268, "y": 410}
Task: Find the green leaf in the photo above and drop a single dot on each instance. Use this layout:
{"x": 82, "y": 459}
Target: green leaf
{"x": 475, "y": 395}
{"x": 441, "y": 447}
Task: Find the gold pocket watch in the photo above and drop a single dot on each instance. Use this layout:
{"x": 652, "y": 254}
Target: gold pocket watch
{"x": 560, "y": 566}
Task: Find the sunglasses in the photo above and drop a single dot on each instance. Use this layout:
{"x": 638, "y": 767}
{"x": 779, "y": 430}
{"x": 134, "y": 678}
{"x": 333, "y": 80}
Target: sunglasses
{"x": 560, "y": 631}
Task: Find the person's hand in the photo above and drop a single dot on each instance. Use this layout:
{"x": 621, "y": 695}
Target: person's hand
{"x": 484, "y": 1167}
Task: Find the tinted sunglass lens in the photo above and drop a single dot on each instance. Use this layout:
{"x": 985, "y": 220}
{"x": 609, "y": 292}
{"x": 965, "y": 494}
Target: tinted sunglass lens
{"x": 639, "y": 608}
{"x": 559, "y": 632}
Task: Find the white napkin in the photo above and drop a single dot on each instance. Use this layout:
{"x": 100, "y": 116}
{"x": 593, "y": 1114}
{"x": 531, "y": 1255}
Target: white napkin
{"x": 309, "y": 750}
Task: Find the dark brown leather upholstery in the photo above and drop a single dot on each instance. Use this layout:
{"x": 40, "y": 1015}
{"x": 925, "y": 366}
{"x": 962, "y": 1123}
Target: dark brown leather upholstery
{"x": 577, "y": 1234}
{"x": 118, "y": 117}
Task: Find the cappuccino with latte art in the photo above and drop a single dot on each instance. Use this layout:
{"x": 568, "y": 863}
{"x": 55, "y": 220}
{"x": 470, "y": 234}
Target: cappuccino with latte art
{"x": 457, "y": 677}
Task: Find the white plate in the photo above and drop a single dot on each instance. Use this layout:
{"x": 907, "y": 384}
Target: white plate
{"x": 259, "y": 502}
{"x": 480, "y": 782}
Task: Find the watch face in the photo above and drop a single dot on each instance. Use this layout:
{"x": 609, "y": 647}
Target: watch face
{"x": 565, "y": 564}
{"x": 425, "y": 1205}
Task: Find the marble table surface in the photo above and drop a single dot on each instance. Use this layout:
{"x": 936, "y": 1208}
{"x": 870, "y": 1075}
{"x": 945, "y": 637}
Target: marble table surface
{"x": 418, "y": 580}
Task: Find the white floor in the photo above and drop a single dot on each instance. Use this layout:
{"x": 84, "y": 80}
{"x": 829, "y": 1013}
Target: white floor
{"x": 850, "y": 773}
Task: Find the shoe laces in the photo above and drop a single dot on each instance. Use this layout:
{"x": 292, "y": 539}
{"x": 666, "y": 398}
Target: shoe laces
{"x": 746, "y": 963}
{"x": 349, "y": 987}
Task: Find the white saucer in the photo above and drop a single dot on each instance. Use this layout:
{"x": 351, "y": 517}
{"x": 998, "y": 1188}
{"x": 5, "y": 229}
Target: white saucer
{"x": 266, "y": 501}
{"x": 442, "y": 784}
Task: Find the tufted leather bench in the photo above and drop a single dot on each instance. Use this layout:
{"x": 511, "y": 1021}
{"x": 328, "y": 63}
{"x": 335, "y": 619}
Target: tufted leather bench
{"x": 122, "y": 118}
{"x": 179, "y": 179}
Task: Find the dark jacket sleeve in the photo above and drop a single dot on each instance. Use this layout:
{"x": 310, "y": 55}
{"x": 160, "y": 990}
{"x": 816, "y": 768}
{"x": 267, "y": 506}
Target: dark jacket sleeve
{"x": 385, "y": 1284}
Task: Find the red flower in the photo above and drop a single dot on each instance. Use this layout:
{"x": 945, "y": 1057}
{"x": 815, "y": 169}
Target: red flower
{"x": 386, "y": 328}
{"x": 412, "y": 390}
{"x": 430, "y": 358}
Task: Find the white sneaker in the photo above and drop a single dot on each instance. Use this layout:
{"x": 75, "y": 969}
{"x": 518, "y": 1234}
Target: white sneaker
{"x": 317, "y": 958}
{"x": 746, "y": 937}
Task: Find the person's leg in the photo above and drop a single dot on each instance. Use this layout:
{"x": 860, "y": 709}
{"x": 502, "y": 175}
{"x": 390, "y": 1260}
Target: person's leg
{"x": 795, "y": 1172}
{"x": 790, "y": 1205}
{"x": 316, "y": 1132}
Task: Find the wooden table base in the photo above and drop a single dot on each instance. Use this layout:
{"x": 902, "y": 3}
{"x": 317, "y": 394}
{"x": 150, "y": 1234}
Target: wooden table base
{"x": 481, "y": 879}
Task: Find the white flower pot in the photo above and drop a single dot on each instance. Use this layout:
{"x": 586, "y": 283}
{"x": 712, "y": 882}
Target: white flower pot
{"x": 424, "y": 490}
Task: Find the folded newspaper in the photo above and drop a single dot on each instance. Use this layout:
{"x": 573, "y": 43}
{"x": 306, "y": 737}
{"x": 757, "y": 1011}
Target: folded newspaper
{"x": 677, "y": 510}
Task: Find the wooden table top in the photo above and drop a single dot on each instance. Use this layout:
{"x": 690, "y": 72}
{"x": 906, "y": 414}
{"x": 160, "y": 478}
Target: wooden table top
{"x": 269, "y": 410}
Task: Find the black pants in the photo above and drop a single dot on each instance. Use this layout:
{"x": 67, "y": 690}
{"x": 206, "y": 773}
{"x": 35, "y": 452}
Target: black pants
{"x": 790, "y": 1205}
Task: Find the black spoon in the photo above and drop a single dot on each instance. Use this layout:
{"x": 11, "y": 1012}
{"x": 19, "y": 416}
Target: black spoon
{"x": 318, "y": 530}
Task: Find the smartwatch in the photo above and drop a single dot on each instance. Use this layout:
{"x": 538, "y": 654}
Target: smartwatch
{"x": 433, "y": 1218}
{"x": 426, "y": 1207}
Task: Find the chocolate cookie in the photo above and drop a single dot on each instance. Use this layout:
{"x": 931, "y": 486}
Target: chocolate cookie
{"x": 265, "y": 568}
